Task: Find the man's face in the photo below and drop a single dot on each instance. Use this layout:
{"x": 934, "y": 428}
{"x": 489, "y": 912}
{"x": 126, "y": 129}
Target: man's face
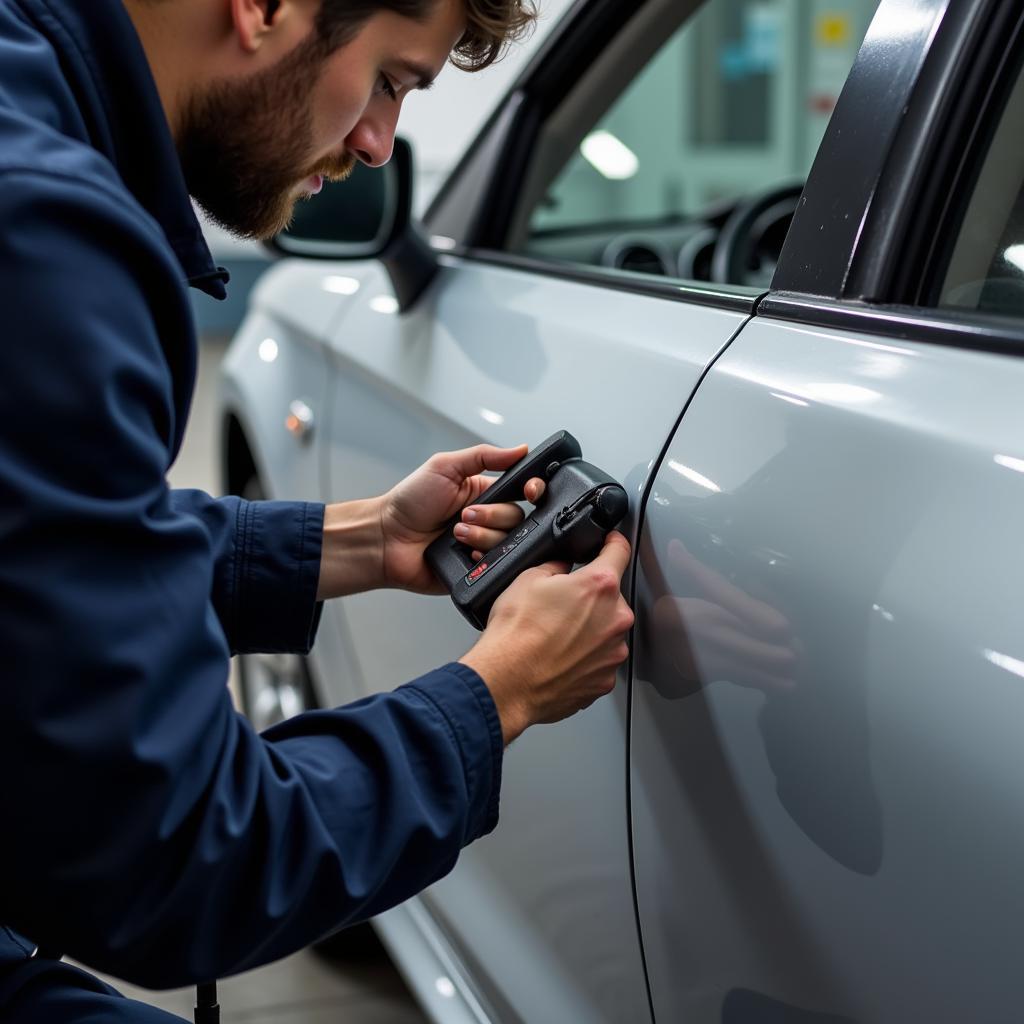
{"x": 252, "y": 148}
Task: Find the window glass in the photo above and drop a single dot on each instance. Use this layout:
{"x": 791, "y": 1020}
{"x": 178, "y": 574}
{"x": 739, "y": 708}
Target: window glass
{"x": 986, "y": 269}
{"x": 730, "y": 110}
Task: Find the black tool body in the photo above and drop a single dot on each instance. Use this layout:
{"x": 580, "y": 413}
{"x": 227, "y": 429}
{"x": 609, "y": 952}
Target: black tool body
{"x": 580, "y": 504}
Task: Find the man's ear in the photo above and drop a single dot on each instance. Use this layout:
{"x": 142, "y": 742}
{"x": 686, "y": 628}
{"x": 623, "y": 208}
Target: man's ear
{"x": 255, "y": 19}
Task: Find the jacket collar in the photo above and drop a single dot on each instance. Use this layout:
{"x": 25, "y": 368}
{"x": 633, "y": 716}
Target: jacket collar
{"x": 107, "y": 70}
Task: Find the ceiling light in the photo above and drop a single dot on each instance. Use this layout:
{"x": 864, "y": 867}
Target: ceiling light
{"x": 609, "y": 156}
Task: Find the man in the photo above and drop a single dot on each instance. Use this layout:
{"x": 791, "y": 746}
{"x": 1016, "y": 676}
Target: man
{"x": 145, "y": 828}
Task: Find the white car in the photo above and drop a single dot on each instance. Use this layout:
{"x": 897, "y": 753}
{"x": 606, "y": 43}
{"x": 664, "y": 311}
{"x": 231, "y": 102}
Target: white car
{"x": 765, "y": 260}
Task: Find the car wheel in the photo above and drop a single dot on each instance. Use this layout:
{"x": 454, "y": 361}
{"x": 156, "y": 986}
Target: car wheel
{"x": 272, "y": 687}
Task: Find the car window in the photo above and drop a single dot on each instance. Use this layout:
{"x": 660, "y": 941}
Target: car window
{"x": 703, "y": 149}
{"x": 986, "y": 267}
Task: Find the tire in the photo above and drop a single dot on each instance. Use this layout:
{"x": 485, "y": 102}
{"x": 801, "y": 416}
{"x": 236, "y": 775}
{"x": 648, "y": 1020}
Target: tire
{"x": 272, "y": 687}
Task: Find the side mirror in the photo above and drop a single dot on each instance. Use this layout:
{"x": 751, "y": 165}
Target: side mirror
{"x": 367, "y": 216}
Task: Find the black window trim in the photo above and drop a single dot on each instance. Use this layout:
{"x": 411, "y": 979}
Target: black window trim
{"x": 838, "y": 198}
{"x": 934, "y": 155}
{"x": 894, "y": 259}
{"x": 955, "y": 328}
{"x": 732, "y": 298}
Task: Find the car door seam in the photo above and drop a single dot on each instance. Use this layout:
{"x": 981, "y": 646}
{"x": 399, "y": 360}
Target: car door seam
{"x": 648, "y": 486}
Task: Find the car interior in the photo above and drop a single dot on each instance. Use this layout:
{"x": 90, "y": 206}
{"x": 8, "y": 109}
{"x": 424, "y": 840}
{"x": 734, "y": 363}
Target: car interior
{"x": 705, "y": 191}
{"x": 986, "y": 267}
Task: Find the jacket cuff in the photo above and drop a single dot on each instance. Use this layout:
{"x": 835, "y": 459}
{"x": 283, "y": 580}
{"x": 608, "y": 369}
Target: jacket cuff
{"x": 277, "y": 572}
{"x": 465, "y": 703}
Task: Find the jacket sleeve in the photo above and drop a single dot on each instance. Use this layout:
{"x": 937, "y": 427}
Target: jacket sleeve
{"x": 266, "y": 566}
{"x": 146, "y": 829}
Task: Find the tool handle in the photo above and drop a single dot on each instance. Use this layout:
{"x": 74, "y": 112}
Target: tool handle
{"x": 545, "y": 457}
{"x": 581, "y": 504}
{"x": 475, "y": 597}
{"x": 451, "y": 560}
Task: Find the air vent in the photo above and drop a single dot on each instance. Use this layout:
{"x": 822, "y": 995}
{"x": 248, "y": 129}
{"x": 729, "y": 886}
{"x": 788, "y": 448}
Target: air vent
{"x": 641, "y": 259}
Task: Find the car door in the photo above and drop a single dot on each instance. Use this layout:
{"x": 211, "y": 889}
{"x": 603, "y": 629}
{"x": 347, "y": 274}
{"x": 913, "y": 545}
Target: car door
{"x": 541, "y": 319}
{"x": 825, "y": 748}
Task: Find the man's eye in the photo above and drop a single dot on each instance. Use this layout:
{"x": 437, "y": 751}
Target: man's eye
{"x": 387, "y": 88}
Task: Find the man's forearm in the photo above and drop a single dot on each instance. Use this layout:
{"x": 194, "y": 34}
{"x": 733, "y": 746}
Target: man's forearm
{"x": 353, "y": 553}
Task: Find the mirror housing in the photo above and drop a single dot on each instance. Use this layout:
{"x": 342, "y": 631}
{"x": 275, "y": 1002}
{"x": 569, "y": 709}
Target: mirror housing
{"x": 367, "y": 216}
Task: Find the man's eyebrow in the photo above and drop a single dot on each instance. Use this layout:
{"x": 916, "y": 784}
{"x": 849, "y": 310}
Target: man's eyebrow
{"x": 423, "y": 75}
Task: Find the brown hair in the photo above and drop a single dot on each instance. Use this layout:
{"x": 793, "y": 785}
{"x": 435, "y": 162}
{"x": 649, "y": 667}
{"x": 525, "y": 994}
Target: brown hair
{"x": 490, "y": 25}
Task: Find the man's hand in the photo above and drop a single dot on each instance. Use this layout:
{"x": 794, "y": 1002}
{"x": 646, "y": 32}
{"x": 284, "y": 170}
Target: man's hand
{"x": 380, "y": 542}
{"x": 554, "y": 640}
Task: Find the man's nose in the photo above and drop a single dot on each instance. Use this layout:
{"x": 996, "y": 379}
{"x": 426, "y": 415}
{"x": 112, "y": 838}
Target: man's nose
{"x": 372, "y": 140}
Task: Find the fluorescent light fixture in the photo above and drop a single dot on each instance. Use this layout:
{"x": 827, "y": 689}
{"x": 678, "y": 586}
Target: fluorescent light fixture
{"x": 692, "y": 474}
{"x": 1010, "y": 462}
{"x": 384, "y": 304}
{"x": 609, "y": 156}
{"x": 340, "y": 285}
{"x": 442, "y": 242}
{"x": 268, "y": 350}
{"x": 1015, "y": 255}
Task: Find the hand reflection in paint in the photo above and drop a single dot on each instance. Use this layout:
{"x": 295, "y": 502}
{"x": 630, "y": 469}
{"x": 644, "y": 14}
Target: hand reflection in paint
{"x": 709, "y": 629}
{"x": 708, "y": 625}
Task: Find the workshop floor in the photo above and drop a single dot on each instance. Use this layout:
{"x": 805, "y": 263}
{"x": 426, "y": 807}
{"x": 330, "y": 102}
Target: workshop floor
{"x": 305, "y": 988}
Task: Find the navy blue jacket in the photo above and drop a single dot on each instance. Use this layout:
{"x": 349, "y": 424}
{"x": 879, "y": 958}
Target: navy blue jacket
{"x": 144, "y": 827}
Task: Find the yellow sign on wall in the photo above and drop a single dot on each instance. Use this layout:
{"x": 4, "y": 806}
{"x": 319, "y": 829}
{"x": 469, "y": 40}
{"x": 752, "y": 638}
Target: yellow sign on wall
{"x": 833, "y": 29}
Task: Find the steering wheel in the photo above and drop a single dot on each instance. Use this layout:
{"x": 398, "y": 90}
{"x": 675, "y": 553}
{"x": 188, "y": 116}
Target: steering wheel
{"x": 742, "y": 237}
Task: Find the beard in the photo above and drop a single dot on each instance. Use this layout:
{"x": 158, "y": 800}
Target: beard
{"x": 245, "y": 146}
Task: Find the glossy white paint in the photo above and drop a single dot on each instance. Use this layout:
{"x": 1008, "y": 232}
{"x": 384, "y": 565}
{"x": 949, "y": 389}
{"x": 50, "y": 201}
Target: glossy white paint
{"x": 303, "y": 295}
{"x": 498, "y": 355}
{"x": 260, "y": 392}
{"x": 426, "y": 962}
{"x": 292, "y": 308}
{"x": 826, "y": 735}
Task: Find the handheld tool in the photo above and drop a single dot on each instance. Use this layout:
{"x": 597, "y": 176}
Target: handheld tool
{"x": 580, "y": 504}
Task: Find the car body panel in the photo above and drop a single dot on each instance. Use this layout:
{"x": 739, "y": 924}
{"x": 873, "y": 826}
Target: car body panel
{"x": 429, "y": 966}
{"x": 497, "y": 355}
{"x": 825, "y": 743}
{"x": 270, "y": 365}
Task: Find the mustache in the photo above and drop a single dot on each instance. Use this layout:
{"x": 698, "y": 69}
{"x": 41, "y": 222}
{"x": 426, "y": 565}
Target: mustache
{"x": 335, "y": 168}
